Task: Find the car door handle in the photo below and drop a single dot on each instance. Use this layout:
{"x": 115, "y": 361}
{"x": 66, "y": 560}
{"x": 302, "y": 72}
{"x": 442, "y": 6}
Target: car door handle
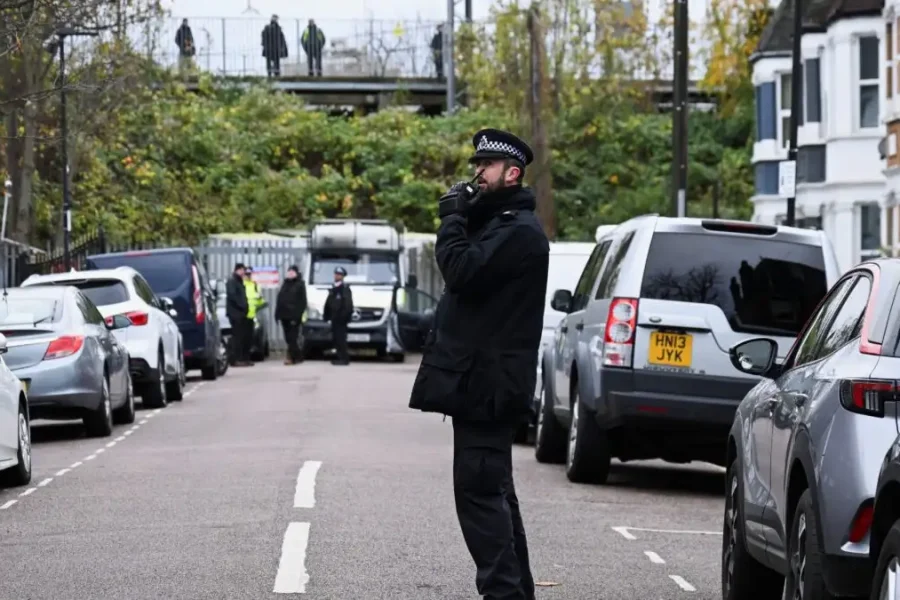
{"x": 579, "y": 326}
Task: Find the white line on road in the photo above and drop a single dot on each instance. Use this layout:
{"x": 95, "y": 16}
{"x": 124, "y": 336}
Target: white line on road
{"x": 62, "y": 472}
{"x": 680, "y": 581}
{"x": 130, "y": 431}
{"x": 90, "y": 457}
{"x": 99, "y": 450}
{"x": 121, "y": 438}
{"x": 654, "y": 557}
{"x": 111, "y": 444}
{"x": 142, "y": 421}
{"x": 8, "y": 504}
{"x": 292, "y": 576}
{"x": 623, "y": 531}
{"x": 75, "y": 465}
{"x": 305, "y": 492}
{"x": 28, "y": 492}
{"x": 155, "y": 412}
{"x": 45, "y": 482}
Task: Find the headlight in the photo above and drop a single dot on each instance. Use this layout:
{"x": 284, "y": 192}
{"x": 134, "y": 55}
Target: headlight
{"x": 313, "y": 313}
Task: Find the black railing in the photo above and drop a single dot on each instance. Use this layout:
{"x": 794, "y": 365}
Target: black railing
{"x": 94, "y": 243}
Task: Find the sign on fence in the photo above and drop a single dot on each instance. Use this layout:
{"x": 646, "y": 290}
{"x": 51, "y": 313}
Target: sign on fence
{"x": 267, "y": 277}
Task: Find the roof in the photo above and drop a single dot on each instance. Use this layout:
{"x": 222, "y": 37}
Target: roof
{"x": 580, "y": 248}
{"x": 144, "y": 252}
{"x": 117, "y": 273}
{"x": 45, "y": 291}
{"x": 777, "y": 37}
{"x": 781, "y": 233}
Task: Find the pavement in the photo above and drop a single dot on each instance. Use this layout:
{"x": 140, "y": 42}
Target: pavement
{"x": 317, "y": 481}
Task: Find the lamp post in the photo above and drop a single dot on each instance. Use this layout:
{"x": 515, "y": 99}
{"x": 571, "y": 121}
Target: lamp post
{"x": 680, "y": 110}
{"x": 62, "y": 33}
{"x": 787, "y": 176}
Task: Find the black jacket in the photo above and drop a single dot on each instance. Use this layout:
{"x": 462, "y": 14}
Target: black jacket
{"x": 480, "y": 360}
{"x": 339, "y": 304}
{"x": 273, "y": 42}
{"x": 291, "y": 301}
{"x": 236, "y": 306}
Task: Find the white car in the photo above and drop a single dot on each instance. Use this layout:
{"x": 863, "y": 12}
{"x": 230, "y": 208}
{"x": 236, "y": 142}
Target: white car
{"x": 153, "y": 341}
{"x": 15, "y": 428}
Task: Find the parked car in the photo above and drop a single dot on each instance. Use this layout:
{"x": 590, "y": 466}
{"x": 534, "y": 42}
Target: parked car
{"x": 15, "y": 427}
{"x": 806, "y": 444}
{"x": 639, "y": 366}
{"x": 176, "y": 274}
{"x": 884, "y": 541}
{"x": 153, "y": 341}
{"x": 65, "y": 354}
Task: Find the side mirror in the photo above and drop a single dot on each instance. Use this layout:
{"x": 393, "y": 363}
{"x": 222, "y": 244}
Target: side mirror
{"x": 755, "y": 356}
{"x": 562, "y": 301}
{"x": 3, "y": 347}
{"x": 166, "y": 302}
{"x": 412, "y": 281}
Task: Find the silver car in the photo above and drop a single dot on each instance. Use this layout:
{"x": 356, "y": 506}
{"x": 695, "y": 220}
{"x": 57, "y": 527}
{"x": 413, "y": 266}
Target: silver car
{"x": 63, "y": 350}
{"x": 807, "y": 443}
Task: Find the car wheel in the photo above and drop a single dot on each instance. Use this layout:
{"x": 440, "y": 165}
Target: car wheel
{"x": 804, "y": 579}
{"x": 21, "y": 473}
{"x": 549, "y": 435}
{"x": 125, "y": 414}
{"x": 99, "y": 422}
{"x": 175, "y": 389}
{"x": 743, "y": 578}
{"x": 887, "y": 571}
{"x": 154, "y": 395}
{"x": 587, "y": 457}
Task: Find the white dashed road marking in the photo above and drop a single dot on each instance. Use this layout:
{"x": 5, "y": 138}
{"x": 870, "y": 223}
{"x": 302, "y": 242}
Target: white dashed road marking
{"x": 679, "y": 580}
{"x": 292, "y": 576}
{"x": 92, "y": 456}
{"x": 305, "y": 492}
{"x": 625, "y": 532}
{"x": 654, "y": 557}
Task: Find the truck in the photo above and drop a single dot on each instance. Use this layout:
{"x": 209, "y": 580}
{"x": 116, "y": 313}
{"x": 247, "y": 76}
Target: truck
{"x": 372, "y": 253}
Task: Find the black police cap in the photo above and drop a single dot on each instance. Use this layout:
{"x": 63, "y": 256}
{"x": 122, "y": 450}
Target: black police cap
{"x": 495, "y": 143}
{"x": 340, "y": 271}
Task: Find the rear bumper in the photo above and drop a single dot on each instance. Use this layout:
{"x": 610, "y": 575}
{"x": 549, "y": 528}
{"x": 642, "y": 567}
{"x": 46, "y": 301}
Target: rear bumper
{"x": 141, "y": 371}
{"x": 317, "y": 336}
{"x": 64, "y": 390}
{"x": 847, "y": 577}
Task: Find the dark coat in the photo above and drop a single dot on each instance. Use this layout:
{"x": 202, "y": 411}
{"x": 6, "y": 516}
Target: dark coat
{"x": 291, "y": 301}
{"x": 236, "y": 305}
{"x": 339, "y": 304}
{"x": 479, "y": 362}
{"x": 273, "y": 43}
{"x": 184, "y": 39}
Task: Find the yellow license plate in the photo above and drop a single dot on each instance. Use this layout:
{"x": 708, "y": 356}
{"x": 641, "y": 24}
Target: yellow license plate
{"x": 671, "y": 349}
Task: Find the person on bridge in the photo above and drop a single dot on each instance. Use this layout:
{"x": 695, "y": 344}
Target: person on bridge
{"x": 289, "y": 308}
{"x": 236, "y": 307}
{"x": 480, "y": 358}
{"x": 274, "y": 47}
{"x": 184, "y": 39}
{"x": 338, "y": 310}
{"x": 437, "y": 51}
{"x": 313, "y": 41}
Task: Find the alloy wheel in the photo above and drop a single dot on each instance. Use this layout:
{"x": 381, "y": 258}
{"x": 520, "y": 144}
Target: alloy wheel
{"x": 798, "y": 560}
{"x": 540, "y": 418}
{"x": 573, "y": 433}
{"x": 730, "y": 542}
{"x": 889, "y": 589}
{"x": 25, "y": 442}
{"x": 107, "y": 405}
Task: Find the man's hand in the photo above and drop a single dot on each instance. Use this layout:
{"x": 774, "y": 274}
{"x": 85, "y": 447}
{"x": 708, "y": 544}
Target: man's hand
{"x": 458, "y": 199}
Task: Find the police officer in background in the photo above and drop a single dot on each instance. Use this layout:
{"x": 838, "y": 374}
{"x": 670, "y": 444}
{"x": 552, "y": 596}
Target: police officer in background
{"x": 338, "y": 310}
{"x": 479, "y": 362}
{"x": 236, "y": 307}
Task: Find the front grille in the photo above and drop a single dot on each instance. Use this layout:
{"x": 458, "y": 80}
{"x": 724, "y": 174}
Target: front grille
{"x": 367, "y": 314}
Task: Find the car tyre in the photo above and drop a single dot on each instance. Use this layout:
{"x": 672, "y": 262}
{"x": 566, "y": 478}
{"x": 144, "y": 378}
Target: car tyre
{"x": 804, "y": 562}
{"x": 99, "y": 422}
{"x": 20, "y": 474}
{"x": 549, "y": 435}
{"x": 887, "y": 569}
{"x": 154, "y": 395}
{"x": 175, "y": 389}
{"x": 124, "y": 415}
{"x": 743, "y": 577}
{"x": 587, "y": 456}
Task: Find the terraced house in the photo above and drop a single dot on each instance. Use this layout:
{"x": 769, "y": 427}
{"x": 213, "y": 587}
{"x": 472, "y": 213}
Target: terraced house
{"x": 841, "y": 183}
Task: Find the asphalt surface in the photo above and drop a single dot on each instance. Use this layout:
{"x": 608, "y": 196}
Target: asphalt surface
{"x": 318, "y": 481}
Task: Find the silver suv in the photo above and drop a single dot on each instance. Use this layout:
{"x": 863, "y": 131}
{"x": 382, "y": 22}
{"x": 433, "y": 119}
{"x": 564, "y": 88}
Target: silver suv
{"x": 639, "y": 367}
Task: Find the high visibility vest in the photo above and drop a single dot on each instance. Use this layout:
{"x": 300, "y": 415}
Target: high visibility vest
{"x": 254, "y": 299}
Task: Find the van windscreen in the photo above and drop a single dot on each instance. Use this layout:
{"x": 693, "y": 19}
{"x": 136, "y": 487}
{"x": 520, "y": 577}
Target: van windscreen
{"x": 762, "y": 285}
{"x": 164, "y": 271}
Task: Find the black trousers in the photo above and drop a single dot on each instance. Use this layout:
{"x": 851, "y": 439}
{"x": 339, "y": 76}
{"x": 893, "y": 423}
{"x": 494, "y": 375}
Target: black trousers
{"x": 291, "y": 335}
{"x": 339, "y": 339}
{"x": 273, "y": 66}
{"x": 488, "y": 510}
{"x": 241, "y": 339}
{"x": 314, "y": 61}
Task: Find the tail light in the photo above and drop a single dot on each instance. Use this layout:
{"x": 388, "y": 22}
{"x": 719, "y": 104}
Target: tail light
{"x": 64, "y": 346}
{"x": 618, "y": 347}
{"x": 138, "y": 318}
{"x": 862, "y": 522}
{"x": 199, "y": 313}
{"x": 867, "y": 396}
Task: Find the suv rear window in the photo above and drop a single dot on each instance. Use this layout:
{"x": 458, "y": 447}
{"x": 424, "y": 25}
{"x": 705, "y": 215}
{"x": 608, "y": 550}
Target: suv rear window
{"x": 762, "y": 285}
{"x": 103, "y": 292}
{"x": 164, "y": 271}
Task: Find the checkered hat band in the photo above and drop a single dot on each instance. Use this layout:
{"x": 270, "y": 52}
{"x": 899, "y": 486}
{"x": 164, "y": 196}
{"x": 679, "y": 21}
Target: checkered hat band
{"x": 493, "y": 146}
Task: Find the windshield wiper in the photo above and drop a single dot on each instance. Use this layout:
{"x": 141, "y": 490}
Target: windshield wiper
{"x": 43, "y": 319}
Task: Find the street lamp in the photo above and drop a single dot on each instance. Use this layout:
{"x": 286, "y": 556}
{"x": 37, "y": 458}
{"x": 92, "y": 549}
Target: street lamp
{"x": 62, "y": 33}
{"x": 787, "y": 176}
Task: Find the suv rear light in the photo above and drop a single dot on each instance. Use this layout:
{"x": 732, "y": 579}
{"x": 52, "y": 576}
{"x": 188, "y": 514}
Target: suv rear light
{"x": 618, "y": 346}
{"x": 64, "y": 346}
{"x": 138, "y": 318}
{"x": 199, "y": 313}
{"x": 738, "y": 227}
{"x": 867, "y": 396}
{"x": 862, "y": 522}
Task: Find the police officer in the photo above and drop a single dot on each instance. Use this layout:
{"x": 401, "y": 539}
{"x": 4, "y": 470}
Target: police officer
{"x": 479, "y": 361}
{"x": 338, "y": 310}
{"x": 236, "y": 307}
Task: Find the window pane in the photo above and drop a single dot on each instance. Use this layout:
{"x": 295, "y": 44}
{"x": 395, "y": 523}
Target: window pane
{"x": 870, "y": 226}
{"x": 868, "y": 105}
{"x": 785, "y": 91}
{"x": 868, "y": 57}
{"x": 845, "y": 325}
{"x": 785, "y": 131}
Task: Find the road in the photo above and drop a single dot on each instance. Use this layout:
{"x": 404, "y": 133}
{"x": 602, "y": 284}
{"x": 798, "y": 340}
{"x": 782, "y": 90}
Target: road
{"x": 318, "y": 481}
